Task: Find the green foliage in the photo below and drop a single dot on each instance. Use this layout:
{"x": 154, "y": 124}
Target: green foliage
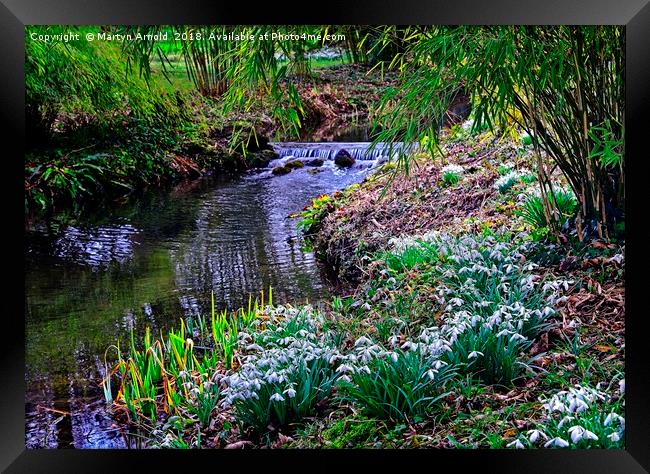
{"x": 607, "y": 148}
{"x": 491, "y": 306}
{"x": 275, "y": 405}
{"x": 312, "y": 216}
{"x": 534, "y": 214}
{"x": 404, "y": 388}
{"x": 553, "y": 81}
{"x": 579, "y": 418}
{"x": 84, "y": 77}
{"x": 449, "y": 178}
{"x": 511, "y": 177}
{"x": 107, "y": 130}
{"x": 351, "y": 432}
{"x": 166, "y": 375}
{"x": 498, "y": 357}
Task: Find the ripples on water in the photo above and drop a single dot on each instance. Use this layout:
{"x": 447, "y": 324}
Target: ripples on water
{"x": 149, "y": 264}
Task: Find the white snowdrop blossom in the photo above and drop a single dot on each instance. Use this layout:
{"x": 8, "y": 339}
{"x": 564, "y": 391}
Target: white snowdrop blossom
{"x": 345, "y": 368}
{"x": 557, "y": 442}
{"x": 582, "y": 408}
{"x": 516, "y": 443}
{"x": 452, "y": 168}
{"x": 511, "y": 178}
{"x": 362, "y": 341}
{"x": 576, "y": 433}
{"x": 534, "y": 435}
{"x": 276, "y": 397}
{"x": 279, "y": 355}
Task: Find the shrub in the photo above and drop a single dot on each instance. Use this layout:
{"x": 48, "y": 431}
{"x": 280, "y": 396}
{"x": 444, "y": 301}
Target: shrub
{"x": 510, "y": 178}
{"x": 493, "y": 306}
{"x": 401, "y": 386}
{"x": 533, "y": 213}
{"x": 312, "y": 216}
{"x": 289, "y": 399}
{"x": 85, "y": 77}
{"x": 287, "y": 372}
{"x": 520, "y": 74}
{"x": 451, "y": 174}
{"x": 578, "y": 418}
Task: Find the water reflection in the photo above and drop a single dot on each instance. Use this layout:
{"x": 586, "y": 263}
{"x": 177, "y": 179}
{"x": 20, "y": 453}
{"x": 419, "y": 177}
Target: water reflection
{"x": 96, "y": 247}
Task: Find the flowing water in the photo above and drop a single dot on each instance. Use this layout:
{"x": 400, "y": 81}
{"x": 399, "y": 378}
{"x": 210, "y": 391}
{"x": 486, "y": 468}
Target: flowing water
{"x": 152, "y": 262}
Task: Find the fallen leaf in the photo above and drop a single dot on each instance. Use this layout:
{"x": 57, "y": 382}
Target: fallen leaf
{"x": 604, "y": 348}
{"x": 521, "y": 424}
{"x": 238, "y": 445}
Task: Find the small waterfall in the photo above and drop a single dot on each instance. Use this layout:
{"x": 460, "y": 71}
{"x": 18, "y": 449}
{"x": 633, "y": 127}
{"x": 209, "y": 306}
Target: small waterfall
{"x": 328, "y": 150}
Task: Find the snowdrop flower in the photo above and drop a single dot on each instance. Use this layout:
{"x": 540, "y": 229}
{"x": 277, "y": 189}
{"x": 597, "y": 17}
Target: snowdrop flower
{"x": 589, "y": 435}
{"x": 345, "y": 368}
{"x": 430, "y": 373}
{"x": 621, "y": 386}
{"x": 272, "y": 377}
{"x": 290, "y": 392}
{"x": 557, "y": 405}
{"x": 557, "y": 442}
{"x": 618, "y": 258}
{"x": 456, "y": 169}
{"x": 474, "y": 354}
{"x": 516, "y": 443}
{"x": 614, "y": 437}
{"x": 439, "y": 363}
{"x": 566, "y": 419}
{"x": 517, "y": 336}
{"x": 576, "y": 433}
{"x": 362, "y": 340}
{"x": 408, "y": 345}
{"x": 276, "y": 397}
{"x": 534, "y": 435}
{"x": 581, "y": 405}
{"x": 548, "y": 311}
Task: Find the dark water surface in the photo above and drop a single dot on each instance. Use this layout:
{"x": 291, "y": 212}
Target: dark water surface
{"x": 151, "y": 263}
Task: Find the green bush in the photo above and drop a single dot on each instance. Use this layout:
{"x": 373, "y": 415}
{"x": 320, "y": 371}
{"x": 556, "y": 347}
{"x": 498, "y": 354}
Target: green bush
{"x": 533, "y": 213}
{"x": 579, "y": 418}
{"x": 451, "y": 174}
{"x": 405, "y": 386}
{"x": 278, "y": 404}
{"x": 85, "y": 77}
{"x": 493, "y": 306}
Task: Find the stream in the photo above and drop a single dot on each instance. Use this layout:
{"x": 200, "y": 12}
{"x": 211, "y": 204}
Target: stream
{"x": 90, "y": 281}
